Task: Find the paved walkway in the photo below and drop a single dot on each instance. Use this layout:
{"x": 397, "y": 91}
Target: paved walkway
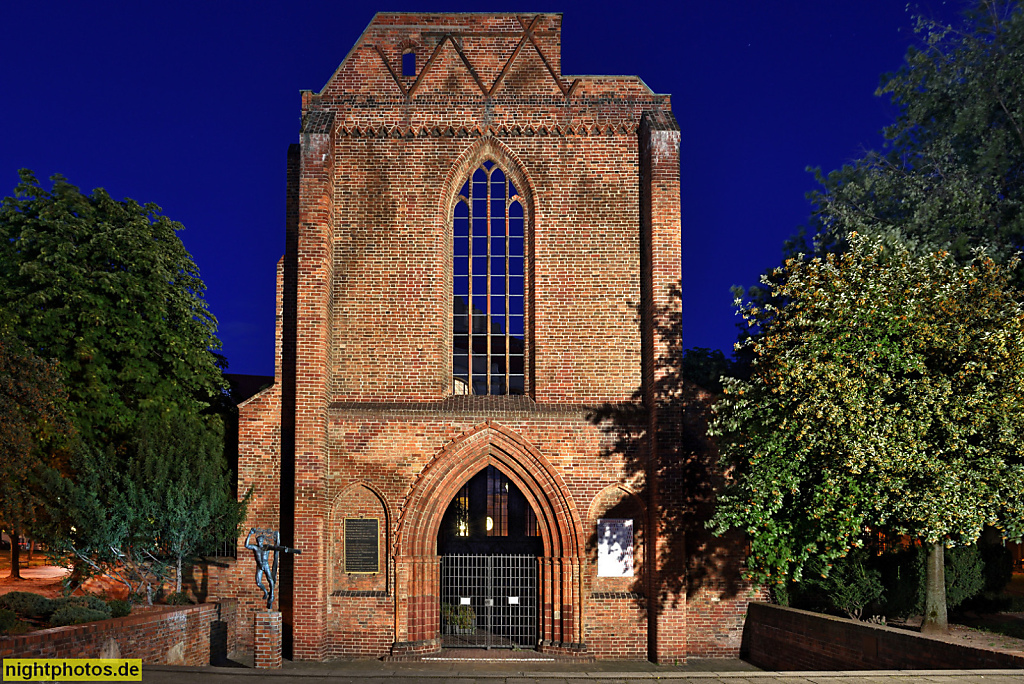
{"x": 43, "y": 572}
{"x": 531, "y": 670}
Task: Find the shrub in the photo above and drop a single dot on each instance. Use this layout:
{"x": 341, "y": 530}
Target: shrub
{"x": 903, "y": 575}
{"x": 27, "y": 604}
{"x": 463, "y": 617}
{"x": 88, "y": 601}
{"x": 851, "y": 585}
{"x": 998, "y": 566}
{"x": 76, "y": 615}
{"x": 10, "y": 624}
{"x": 178, "y": 598}
{"x": 965, "y": 575}
{"x": 119, "y": 608}
{"x": 780, "y": 592}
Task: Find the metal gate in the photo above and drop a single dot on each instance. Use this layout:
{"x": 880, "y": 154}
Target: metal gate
{"x": 489, "y": 601}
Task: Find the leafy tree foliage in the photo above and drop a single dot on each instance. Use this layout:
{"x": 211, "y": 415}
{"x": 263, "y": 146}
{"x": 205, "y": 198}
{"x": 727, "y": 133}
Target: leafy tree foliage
{"x": 188, "y": 488}
{"x": 705, "y": 368}
{"x": 851, "y": 585}
{"x": 952, "y": 173}
{"x": 886, "y": 394}
{"x": 107, "y": 288}
{"x": 101, "y": 524}
{"x": 951, "y": 178}
{"x": 32, "y": 420}
{"x": 141, "y": 519}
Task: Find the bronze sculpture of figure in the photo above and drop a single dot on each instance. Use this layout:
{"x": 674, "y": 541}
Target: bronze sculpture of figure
{"x": 265, "y": 542}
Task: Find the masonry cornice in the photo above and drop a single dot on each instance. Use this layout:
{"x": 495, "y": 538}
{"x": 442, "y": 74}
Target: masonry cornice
{"x": 399, "y": 131}
{"x": 508, "y": 407}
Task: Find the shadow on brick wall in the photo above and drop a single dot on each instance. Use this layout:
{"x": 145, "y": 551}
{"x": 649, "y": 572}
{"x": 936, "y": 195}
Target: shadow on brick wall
{"x": 685, "y": 463}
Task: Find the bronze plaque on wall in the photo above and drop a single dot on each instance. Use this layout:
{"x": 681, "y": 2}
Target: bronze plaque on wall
{"x": 362, "y": 554}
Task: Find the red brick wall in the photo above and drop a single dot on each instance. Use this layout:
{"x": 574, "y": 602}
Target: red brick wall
{"x": 360, "y": 611}
{"x": 259, "y": 470}
{"x": 393, "y": 281}
{"x": 616, "y": 607}
{"x": 362, "y": 624}
{"x": 357, "y": 501}
{"x": 715, "y": 618}
{"x": 361, "y": 421}
{"x": 616, "y": 625}
{"x": 267, "y": 640}
{"x": 777, "y": 638}
{"x": 162, "y": 635}
{"x": 716, "y": 592}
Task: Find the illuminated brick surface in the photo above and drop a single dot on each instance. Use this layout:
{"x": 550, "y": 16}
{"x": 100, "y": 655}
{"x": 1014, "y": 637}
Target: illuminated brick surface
{"x": 362, "y": 421}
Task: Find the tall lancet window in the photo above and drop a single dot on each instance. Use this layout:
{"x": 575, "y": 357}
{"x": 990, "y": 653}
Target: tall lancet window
{"x": 489, "y": 347}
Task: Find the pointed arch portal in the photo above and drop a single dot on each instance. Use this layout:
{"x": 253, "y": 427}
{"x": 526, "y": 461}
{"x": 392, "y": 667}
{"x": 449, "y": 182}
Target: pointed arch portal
{"x": 417, "y": 562}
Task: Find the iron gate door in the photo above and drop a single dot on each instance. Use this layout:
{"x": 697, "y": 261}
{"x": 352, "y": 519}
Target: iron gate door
{"x": 489, "y": 601}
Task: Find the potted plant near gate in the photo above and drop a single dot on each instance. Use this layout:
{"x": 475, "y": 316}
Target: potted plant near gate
{"x": 458, "y": 619}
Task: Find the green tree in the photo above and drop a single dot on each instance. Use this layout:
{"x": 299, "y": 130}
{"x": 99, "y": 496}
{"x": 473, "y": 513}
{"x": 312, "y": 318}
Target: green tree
{"x": 107, "y": 288}
{"x": 951, "y": 175}
{"x": 188, "y": 487}
{"x": 103, "y": 524}
{"x": 705, "y": 368}
{"x": 886, "y": 394}
{"x": 32, "y": 426}
{"x": 143, "y": 518}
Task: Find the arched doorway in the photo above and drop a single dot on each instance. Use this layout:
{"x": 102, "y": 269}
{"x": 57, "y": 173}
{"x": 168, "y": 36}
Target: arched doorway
{"x": 489, "y": 543}
{"x": 558, "y": 584}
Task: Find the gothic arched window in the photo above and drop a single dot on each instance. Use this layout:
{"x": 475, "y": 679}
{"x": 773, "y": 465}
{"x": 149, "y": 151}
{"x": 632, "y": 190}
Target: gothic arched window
{"x": 489, "y": 344}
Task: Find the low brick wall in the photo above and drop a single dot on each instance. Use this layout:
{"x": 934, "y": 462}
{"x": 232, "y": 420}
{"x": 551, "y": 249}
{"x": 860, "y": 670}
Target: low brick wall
{"x": 715, "y": 619}
{"x": 187, "y": 635}
{"x": 777, "y": 638}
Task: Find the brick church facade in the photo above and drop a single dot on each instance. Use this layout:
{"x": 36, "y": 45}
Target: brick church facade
{"x": 482, "y": 260}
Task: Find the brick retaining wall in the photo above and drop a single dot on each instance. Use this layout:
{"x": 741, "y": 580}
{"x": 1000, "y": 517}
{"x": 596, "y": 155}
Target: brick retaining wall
{"x": 777, "y": 638}
{"x": 187, "y": 635}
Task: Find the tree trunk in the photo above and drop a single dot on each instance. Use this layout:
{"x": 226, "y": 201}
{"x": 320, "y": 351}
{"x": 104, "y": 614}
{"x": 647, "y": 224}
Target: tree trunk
{"x": 177, "y": 584}
{"x": 15, "y": 555}
{"x": 935, "y": 592}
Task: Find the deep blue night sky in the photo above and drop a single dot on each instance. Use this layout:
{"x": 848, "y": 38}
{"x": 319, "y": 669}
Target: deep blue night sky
{"x": 191, "y": 105}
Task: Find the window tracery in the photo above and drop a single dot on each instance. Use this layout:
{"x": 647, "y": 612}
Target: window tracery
{"x": 488, "y": 229}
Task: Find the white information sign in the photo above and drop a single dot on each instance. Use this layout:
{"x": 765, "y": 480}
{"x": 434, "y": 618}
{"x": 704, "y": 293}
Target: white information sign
{"x": 614, "y": 547}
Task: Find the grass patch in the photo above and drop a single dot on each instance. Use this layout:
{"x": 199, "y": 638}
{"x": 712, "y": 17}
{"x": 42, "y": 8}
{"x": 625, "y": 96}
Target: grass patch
{"x": 1010, "y": 629}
